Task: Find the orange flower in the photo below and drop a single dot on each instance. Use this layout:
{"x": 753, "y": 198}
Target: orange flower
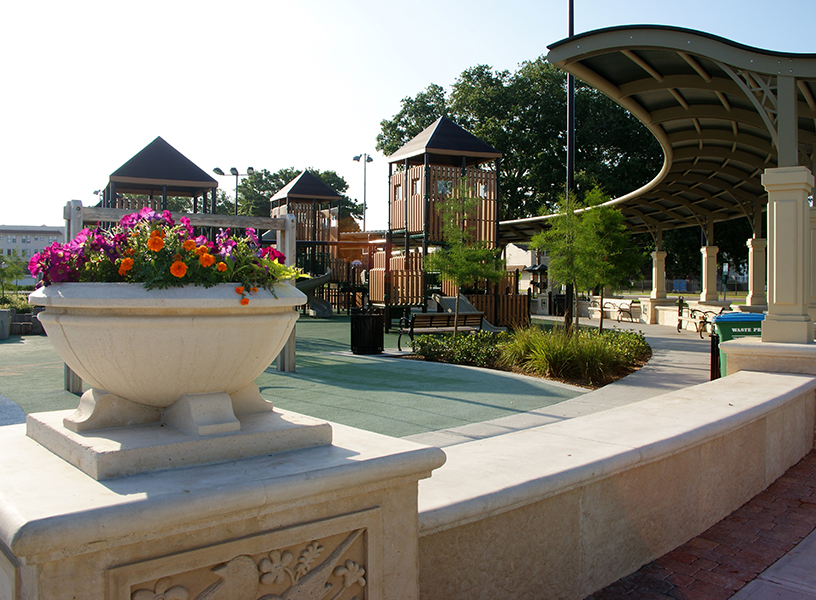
{"x": 178, "y": 269}
{"x": 254, "y": 289}
{"x": 130, "y": 251}
{"x": 239, "y": 289}
{"x": 155, "y": 243}
{"x": 206, "y": 260}
{"x": 125, "y": 266}
{"x": 244, "y": 301}
{"x": 221, "y": 266}
{"x": 201, "y": 250}
{"x": 159, "y": 233}
{"x": 189, "y": 245}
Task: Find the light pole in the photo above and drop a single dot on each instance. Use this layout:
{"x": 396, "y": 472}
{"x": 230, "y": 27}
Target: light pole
{"x": 366, "y": 159}
{"x": 234, "y": 171}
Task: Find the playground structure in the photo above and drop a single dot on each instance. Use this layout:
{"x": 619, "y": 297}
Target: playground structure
{"x": 430, "y": 167}
{"x": 317, "y": 210}
{"x": 387, "y": 267}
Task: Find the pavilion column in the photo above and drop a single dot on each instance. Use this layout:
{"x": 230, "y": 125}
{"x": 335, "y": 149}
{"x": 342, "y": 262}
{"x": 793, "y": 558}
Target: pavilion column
{"x": 812, "y": 304}
{"x": 709, "y": 293}
{"x": 756, "y": 272}
{"x": 658, "y": 275}
{"x": 789, "y": 258}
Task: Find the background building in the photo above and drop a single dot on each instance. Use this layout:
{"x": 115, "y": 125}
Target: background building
{"x": 25, "y": 241}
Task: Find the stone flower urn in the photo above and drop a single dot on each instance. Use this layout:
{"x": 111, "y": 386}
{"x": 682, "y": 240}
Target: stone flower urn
{"x": 184, "y": 356}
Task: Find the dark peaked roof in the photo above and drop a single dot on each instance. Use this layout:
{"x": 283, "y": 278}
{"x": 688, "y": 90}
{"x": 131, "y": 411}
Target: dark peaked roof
{"x": 158, "y": 165}
{"x": 306, "y": 187}
{"x": 446, "y": 143}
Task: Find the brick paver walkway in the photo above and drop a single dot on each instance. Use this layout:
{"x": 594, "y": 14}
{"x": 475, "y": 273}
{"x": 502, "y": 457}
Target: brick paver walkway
{"x": 721, "y": 560}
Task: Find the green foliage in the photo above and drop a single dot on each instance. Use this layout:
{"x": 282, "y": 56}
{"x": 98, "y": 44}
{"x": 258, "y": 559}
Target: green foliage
{"x": 522, "y": 115}
{"x": 12, "y": 268}
{"x": 480, "y": 348}
{"x": 415, "y": 115}
{"x": 608, "y": 255}
{"x": 560, "y": 242}
{"x": 255, "y": 192}
{"x": 682, "y": 248}
{"x": 183, "y": 204}
{"x": 16, "y": 301}
{"x": 590, "y": 357}
{"x": 591, "y": 248}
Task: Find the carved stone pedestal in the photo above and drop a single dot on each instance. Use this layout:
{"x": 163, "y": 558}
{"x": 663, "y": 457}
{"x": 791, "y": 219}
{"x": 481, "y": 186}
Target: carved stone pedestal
{"x": 331, "y": 522}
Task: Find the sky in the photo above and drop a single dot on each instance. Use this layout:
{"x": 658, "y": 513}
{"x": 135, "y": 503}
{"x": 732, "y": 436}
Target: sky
{"x": 272, "y": 84}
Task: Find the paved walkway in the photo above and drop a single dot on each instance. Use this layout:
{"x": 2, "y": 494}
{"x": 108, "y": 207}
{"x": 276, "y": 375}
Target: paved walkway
{"x": 765, "y": 550}
{"x": 762, "y": 549}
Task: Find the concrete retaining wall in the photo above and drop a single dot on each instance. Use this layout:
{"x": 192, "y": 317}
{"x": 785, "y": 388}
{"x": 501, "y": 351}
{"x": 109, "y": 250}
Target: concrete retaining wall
{"x": 563, "y": 510}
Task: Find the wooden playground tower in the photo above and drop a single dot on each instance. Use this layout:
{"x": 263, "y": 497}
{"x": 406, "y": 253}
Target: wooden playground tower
{"x": 316, "y": 207}
{"x": 432, "y": 166}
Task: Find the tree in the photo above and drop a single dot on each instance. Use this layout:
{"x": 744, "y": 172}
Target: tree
{"x": 256, "y": 191}
{"x": 463, "y": 261}
{"x": 589, "y": 248}
{"x": 606, "y": 251}
{"x": 415, "y": 115}
{"x": 560, "y": 243}
{"x": 12, "y": 268}
{"x": 184, "y": 204}
{"x": 523, "y": 116}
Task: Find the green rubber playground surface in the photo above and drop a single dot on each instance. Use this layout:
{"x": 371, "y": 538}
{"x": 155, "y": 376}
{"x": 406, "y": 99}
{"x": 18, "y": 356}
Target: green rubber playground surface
{"x": 392, "y": 396}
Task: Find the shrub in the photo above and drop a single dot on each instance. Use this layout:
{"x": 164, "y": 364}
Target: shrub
{"x": 481, "y": 348}
{"x": 588, "y": 357}
{"x": 18, "y": 302}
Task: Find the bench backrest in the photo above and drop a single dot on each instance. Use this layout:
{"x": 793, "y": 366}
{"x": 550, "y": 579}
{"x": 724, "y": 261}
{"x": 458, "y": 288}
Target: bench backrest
{"x": 422, "y": 320}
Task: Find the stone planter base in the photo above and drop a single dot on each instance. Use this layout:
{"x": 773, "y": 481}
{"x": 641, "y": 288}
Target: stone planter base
{"x": 106, "y": 453}
{"x": 330, "y": 522}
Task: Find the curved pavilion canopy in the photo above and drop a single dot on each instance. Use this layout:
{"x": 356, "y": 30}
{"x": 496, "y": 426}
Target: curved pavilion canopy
{"x": 722, "y": 112}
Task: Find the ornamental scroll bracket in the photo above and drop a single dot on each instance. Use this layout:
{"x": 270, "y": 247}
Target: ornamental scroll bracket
{"x": 761, "y": 92}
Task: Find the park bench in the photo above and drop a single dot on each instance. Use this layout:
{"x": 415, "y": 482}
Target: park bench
{"x": 623, "y": 307}
{"x": 702, "y": 320}
{"x": 419, "y": 323}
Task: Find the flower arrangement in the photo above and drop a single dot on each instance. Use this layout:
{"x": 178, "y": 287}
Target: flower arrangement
{"x": 150, "y": 248}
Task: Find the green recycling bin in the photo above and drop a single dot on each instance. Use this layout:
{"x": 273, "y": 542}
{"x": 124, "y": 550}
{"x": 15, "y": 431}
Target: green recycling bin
{"x": 731, "y": 326}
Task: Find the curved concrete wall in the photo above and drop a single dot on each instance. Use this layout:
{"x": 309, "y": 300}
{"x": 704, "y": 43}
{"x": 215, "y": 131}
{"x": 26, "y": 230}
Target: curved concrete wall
{"x": 562, "y": 510}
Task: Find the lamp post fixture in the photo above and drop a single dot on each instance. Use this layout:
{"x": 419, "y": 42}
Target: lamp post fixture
{"x": 366, "y": 159}
{"x": 234, "y": 171}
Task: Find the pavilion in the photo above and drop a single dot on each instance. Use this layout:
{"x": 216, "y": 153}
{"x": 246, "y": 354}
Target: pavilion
{"x": 737, "y": 126}
{"x": 159, "y": 171}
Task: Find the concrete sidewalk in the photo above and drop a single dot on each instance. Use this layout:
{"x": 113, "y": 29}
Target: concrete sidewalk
{"x": 679, "y": 360}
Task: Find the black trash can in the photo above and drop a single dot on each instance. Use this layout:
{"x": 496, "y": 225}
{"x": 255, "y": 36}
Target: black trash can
{"x": 558, "y": 306}
{"x": 367, "y": 326}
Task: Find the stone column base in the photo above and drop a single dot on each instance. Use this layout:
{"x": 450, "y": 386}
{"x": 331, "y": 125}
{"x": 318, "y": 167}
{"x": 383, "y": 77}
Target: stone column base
{"x": 797, "y": 329}
{"x": 648, "y": 312}
{"x": 754, "y": 354}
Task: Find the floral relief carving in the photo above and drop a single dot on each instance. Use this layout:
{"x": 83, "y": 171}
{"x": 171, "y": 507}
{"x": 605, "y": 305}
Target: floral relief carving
{"x": 162, "y": 591}
{"x": 275, "y": 575}
{"x": 275, "y": 568}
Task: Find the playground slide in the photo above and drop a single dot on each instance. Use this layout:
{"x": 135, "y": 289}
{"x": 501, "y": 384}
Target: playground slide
{"x": 448, "y": 304}
{"x": 317, "y": 306}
